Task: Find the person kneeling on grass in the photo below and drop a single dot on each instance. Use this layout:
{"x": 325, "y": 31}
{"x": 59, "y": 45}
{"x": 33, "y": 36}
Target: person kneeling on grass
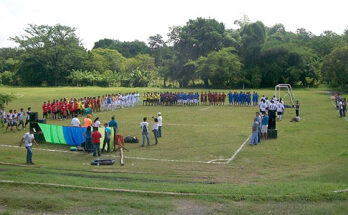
{"x": 96, "y": 135}
{"x": 107, "y": 137}
{"x": 145, "y": 131}
{"x": 155, "y": 130}
{"x": 27, "y": 140}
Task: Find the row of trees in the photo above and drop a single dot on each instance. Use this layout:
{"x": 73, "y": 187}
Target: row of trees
{"x": 202, "y": 53}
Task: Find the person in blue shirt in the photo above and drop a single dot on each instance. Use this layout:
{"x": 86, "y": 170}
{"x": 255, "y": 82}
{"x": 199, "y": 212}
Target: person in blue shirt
{"x": 113, "y": 124}
{"x": 248, "y": 98}
{"x": 230, "y": 96}
{"x": 106, "y": 138}
{"x": 88, "y": 136}
{"x": 264, "y": 126}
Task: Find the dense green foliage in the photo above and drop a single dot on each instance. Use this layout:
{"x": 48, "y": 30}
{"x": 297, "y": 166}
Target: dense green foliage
{"x": 202, "y": 53}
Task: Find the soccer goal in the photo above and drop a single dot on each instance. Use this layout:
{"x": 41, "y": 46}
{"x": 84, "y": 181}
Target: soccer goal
{"x": 284, "y": 91}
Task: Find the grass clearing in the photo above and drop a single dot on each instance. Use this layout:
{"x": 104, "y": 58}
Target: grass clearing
{"x": 296, "y": 173}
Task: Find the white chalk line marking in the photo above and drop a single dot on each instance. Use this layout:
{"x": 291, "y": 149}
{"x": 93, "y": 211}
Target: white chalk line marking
{"x": 228, "y": 160}
{"x": 341, "y": 191}
{"x": 206, "y": 108}
{"x": 108, "y": 189}
{"x": 115, "y": 156}
{"x": 238, "y": 150}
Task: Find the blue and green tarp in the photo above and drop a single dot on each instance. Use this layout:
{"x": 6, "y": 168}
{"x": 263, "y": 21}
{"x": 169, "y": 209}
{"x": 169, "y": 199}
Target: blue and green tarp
{"x": 67, "y": 135}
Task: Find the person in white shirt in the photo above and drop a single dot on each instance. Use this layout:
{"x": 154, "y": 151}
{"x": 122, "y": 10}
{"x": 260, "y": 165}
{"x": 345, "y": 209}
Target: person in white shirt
{"x": 27, "y": 117}
{"x": 155, "y": 130}
{"x": 145, "y": 131}
{"x": 3, "y": 117}
{"x": 96, "y": 123}
{"x": 75, "y": 122}
{"x": 27, "y": 140}
{"x": 21, "y": 118}
{"x": 159, "y": 117}
{"x": 14, "y": 118}
{"x": 272, "y": 106}
{"x": 263, "y": 107}
{"x": 9, "y": 120}
{"x": 280, "y": 110}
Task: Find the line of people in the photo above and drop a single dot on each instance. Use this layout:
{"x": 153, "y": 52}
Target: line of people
{"x": 203, "y": 98}
{"x": 66, "y": 108}
{"x": 15, "y": 120}
{"x": 341, "y": 105}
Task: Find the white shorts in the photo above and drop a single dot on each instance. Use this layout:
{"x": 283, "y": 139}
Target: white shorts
{"x": 264, "y": 129}
{"x": 191, "y": 100}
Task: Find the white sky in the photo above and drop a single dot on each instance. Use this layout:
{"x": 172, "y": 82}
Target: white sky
{"x": 128, "y": 20}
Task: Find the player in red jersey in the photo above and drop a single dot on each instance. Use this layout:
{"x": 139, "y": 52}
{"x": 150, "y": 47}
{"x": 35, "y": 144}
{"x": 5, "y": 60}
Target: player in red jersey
{"x": 44, "y": 110}
{"x": 223, "y": 97}
{"x": 54, "y": 110}
{"x": 98, "y": 103}
{"x": 71, "y": 109}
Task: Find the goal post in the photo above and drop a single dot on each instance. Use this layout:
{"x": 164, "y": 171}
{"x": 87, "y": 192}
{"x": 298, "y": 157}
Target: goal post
{"x": 284, "y": 91}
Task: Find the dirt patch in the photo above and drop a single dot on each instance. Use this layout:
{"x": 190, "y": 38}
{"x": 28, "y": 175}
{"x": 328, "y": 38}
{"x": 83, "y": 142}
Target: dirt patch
{"x": 191, "y": 207}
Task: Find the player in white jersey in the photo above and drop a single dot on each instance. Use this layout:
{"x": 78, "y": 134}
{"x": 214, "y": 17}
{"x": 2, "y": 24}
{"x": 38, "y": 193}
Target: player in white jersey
{"x": 9, "y": 119}
{"x": 3, "y": 117}
{"x": 263, "y": 107}
{"x": 21, "y": 119}
{"x": 280, "y": 110}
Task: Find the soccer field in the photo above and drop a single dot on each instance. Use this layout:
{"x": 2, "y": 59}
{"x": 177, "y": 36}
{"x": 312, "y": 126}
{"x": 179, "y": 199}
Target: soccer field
{"x": 191, "y": 170}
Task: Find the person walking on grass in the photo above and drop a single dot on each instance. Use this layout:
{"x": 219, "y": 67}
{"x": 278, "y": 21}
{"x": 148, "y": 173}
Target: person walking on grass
{"x": 27, "y": 140}
{"x": 96, "y": 135}
{"x": 159, "y": 118}
{"x": 106, "y": 138}
{"x": 21, "y": 119}
{"x": 9, "y": 120}
{"x": 254, "y": 132}
{"x": 145, "y": 131}
{"x": 155, "y": 130}
{"x": 27, "y": 117}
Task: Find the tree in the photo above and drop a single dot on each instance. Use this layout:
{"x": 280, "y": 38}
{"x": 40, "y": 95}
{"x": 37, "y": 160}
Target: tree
{"x": 5, "y": 99}
{"x": 222, "y": 68}
{"x": 335, "y": 67}
{"x": 51, "y": 53}
{"x": 127, "y": 49}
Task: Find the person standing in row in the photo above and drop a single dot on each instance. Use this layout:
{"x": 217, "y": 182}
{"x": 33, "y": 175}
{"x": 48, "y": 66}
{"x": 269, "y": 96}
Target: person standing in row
{"x": 159, "y": 118}
{"x": 145, "y": 131}
{"x": 254, "y": 132}
{"x": 264, "y": 126}
{"x": 96, "y": 135}
{"x": 155, "y": 130}
{"x": 27, "y": 116}
{"x": 107, "y": 136}
{"x": 27, "y": 140}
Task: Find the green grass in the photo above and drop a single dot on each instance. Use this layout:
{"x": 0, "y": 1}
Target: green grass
{"x": 294, "y": 174}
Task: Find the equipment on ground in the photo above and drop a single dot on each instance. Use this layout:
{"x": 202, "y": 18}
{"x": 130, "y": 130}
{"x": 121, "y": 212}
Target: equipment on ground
{"x": 272, "y": 119}
{"x": 131, "y": 139}
{"x": 272, "y": 134}
{"x": 288, "y": 97}
{"x": 98, "y": 162}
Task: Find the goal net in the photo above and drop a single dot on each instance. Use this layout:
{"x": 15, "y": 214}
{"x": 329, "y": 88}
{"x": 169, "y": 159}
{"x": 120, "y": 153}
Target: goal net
{"x": 284, "y": 91}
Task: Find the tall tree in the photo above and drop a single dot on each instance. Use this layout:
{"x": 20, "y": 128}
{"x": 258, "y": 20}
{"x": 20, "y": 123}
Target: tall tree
{"x": 51, "y": 52}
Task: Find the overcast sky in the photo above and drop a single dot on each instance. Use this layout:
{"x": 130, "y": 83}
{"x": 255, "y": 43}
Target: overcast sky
{"x": 128, "y": 20}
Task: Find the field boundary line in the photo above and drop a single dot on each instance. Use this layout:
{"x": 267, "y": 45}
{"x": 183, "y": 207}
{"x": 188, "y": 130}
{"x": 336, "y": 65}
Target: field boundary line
{"x": 205, "y": 108}
{"x": 341, "y": 191}
{"x": 115, "y": 156}
{"x": 108, "y": 189}
{"x": 238, "y": 150}
{"x": 228, "y": 160}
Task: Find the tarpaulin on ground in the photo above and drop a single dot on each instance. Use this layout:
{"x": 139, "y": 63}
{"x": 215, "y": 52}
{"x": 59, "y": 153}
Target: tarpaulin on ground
{"x": 67, "y": 135}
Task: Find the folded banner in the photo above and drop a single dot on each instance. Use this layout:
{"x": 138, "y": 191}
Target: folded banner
{"x": 67, "y": 135}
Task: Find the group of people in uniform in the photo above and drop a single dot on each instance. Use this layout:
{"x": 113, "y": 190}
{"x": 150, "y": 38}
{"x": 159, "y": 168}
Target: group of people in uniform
{"x": 14, "y": 120}
{"x": 65, "y": 108}
{"x": 203, "y": 98}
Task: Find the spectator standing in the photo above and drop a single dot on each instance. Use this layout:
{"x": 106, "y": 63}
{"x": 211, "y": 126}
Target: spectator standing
{"x": 145, "y": 131}
{"x": 159, "y": 118}
{"x": 254, "y": 132}
{"x": 155, "y": 129}
{"x": 27, "y": 140}
{"x": 75, "y": 121}
{"x": 107, "y": 136}
{"x": 96, "y": 135}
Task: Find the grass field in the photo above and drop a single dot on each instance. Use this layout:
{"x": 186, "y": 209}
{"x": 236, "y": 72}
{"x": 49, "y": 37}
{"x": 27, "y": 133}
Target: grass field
{"x": 294, "y": 174}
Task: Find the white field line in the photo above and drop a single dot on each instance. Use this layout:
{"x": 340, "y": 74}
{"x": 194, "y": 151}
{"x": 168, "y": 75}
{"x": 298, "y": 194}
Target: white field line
{"x": 341, "y": 191}
{"x": 228, "y": 160}
{"x": 238, "y": 150}
{"x": 115, "y": 156}
{"x": 107, "y": 189}
{"x": 206, "y": 108}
